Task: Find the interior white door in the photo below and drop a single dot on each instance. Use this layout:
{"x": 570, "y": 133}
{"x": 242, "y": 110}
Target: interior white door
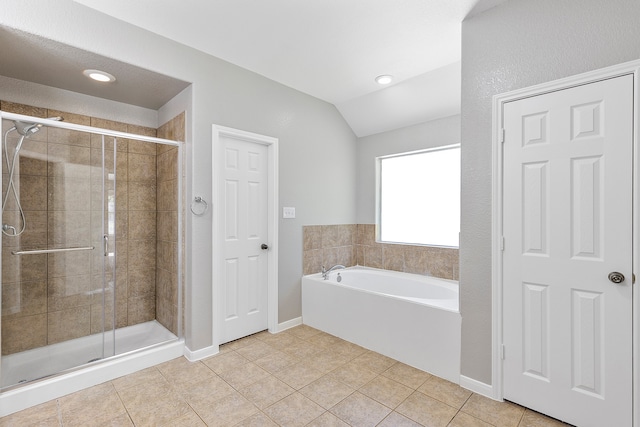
{"x": 567, "y": 224}
{"x": 243, "y": 222}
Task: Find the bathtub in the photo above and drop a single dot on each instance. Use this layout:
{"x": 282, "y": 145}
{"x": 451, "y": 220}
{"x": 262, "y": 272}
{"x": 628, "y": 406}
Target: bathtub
{"x": 411, "y": 318}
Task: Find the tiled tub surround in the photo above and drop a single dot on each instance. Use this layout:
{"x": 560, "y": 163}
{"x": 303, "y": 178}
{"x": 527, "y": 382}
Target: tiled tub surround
{"x": 295, "y": 378}
{"x": 48, "y": 298}
{"x": 355, "y": 244}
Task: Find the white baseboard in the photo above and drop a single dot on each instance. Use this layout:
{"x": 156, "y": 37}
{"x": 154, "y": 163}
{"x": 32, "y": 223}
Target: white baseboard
{"x": 288, "y": 324}
{"x": 477, "y": 386}
{"x": 203, "y": 353}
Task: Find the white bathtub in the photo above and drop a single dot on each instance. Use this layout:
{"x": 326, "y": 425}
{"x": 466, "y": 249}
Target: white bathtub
{"x": 411, "y": 318}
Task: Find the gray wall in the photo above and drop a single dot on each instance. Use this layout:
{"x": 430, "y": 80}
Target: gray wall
{"x": 317, "y": 148}
{"x": 518, "y": 44}
{"x": 435, "y": 133}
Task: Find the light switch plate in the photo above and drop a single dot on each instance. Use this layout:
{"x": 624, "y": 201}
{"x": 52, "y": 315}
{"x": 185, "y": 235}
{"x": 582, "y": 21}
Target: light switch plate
{"x": 288, "y": 212}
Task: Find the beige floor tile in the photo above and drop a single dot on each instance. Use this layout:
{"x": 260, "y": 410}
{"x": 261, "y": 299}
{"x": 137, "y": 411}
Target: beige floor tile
{"x": 144, "y": 394}
{"x": 445, "y": 391}
{"x": 358, "y": 410}
{"x": 294, "y": 410}
{"x": 238, "y": 344}
{"x": 225, "y": 361}
{"x": 190, "y": 419}
{"x": 500, "y": 414}
{"x": 298, "y": 375}
{"x": 303, "y": 331}
{"x": 466, "y": 420}
{"x": 326, "y": 360}
{"x": 181, "y": 371}
{"x": 256, "y": 350}
{"x": 120, "y": 421}
{"x": 244, "y": 375}
{"x": 40, "y": 414}
{"x": 426, "y": 410}
{"x": 407, "y": 375}
{"x": 205, "y": 391}
{"x": 375, "y": 361}
{"x": 280, "y": 340}
{"x": 276, "y": 361}
{"x": 162, "y": 411}
{"x": 349, "y": 349}
{"x": 353, "y": 375}
{"x": 137, "y": 378}
{"x": 535, "y": 419}
{"x": 96, "y": 411}
{"x": 394, "y": 419}
{"x": 324, "y": 340}
{"x": 327, "y": 420}
{"x": 302, "y": 349}
{"x": 386, "y": 391}
{"x": 81, "y": 398}
{"x": 327, "y": 391}
{"x": 266, "y": 392}
{"x": 257, "y": 420}
{"x": 227, "y": 411}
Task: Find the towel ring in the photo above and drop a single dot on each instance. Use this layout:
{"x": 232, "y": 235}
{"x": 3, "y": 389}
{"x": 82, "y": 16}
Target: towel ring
{"x": 199, "y": 206}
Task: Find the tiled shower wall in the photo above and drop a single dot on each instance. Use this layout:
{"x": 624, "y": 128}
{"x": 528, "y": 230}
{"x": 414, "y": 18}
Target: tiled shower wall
{"x": 355, "y": 244}
{"x": 167, "y": 233}
{"x": 52, "y": 298}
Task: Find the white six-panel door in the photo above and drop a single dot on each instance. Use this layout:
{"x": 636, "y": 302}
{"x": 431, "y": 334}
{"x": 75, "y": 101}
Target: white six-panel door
{"x": 567, "y": 224}
{"x": 242, "y": 228}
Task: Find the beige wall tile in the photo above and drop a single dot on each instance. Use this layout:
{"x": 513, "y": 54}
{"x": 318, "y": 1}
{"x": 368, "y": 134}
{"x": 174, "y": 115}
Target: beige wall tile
{"x": 24, "y": 299}
{"x": 142, "y": 225}
{"x": 142, "y": 280}
{"x": 141, "y": 309}
{"x": 312, "y": 261}
{"x": 393, "y": 257}
{"x": 312, "y": 237}
{"x": 24, "y": 333}
{"x": 141, "y": 167}
{"x": 17, "y": 268}
{"x": 68, "y": 324}
{"x": 168, "y": 195}
{"x": 168, "y": 165}
{"x": 142, "y": 196}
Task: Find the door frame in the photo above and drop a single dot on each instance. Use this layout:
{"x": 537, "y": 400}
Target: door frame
{"x": 271, "y": 143}
{"x": 628, "y": 68}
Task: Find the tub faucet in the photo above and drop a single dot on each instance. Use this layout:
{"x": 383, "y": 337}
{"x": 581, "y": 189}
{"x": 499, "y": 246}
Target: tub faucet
{"x": 325, "y": 273}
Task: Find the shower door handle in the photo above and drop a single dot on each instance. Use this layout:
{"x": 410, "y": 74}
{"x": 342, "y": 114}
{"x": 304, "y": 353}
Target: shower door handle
{"x": 105, "y": 241}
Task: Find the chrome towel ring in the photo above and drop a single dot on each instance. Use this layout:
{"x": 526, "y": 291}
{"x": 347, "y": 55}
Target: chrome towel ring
{"x": 199, "y": 206}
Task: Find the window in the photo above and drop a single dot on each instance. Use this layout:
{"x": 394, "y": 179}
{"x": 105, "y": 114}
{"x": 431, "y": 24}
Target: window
{"x": 418, "y": 197}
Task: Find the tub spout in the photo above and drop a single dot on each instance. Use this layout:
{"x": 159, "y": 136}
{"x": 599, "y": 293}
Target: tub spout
{"x": 325, "y": 273}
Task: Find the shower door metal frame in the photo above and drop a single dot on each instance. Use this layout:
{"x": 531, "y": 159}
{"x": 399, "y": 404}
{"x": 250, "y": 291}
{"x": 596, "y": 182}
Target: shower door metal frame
{"x": 180, "y": 215}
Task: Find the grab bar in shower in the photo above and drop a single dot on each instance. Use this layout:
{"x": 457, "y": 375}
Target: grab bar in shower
{"x": 51, "y": 251}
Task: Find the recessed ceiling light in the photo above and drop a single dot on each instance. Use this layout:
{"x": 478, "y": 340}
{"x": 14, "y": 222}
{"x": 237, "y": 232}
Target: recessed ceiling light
{"x": 384, "y": 79}
{"x": 99, "y": 76}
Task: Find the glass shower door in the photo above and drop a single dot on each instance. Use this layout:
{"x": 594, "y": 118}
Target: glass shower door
{"x": 58, "y": 256}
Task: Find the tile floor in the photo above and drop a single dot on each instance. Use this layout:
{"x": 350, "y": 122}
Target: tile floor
{"x": 299, "y": 377}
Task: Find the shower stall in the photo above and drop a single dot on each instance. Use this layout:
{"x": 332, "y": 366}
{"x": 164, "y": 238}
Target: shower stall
{"x": 90, "y": 251}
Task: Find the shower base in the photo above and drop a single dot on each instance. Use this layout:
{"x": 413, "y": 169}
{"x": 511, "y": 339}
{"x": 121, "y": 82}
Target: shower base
{"x": 136, "y": 347}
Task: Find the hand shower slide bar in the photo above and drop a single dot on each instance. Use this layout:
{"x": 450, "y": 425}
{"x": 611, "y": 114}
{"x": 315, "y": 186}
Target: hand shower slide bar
{"x": 51, "y": 251}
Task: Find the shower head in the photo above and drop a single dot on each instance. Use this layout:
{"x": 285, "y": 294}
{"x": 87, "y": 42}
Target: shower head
{"x": 27, "y": 129}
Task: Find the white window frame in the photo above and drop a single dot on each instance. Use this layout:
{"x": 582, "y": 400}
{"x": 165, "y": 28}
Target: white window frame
{"x": 379, "y": 189}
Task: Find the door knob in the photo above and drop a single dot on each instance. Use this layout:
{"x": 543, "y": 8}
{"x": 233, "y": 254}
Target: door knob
{"x": 616, "y": 277}
{"x": 264, "y": 246}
